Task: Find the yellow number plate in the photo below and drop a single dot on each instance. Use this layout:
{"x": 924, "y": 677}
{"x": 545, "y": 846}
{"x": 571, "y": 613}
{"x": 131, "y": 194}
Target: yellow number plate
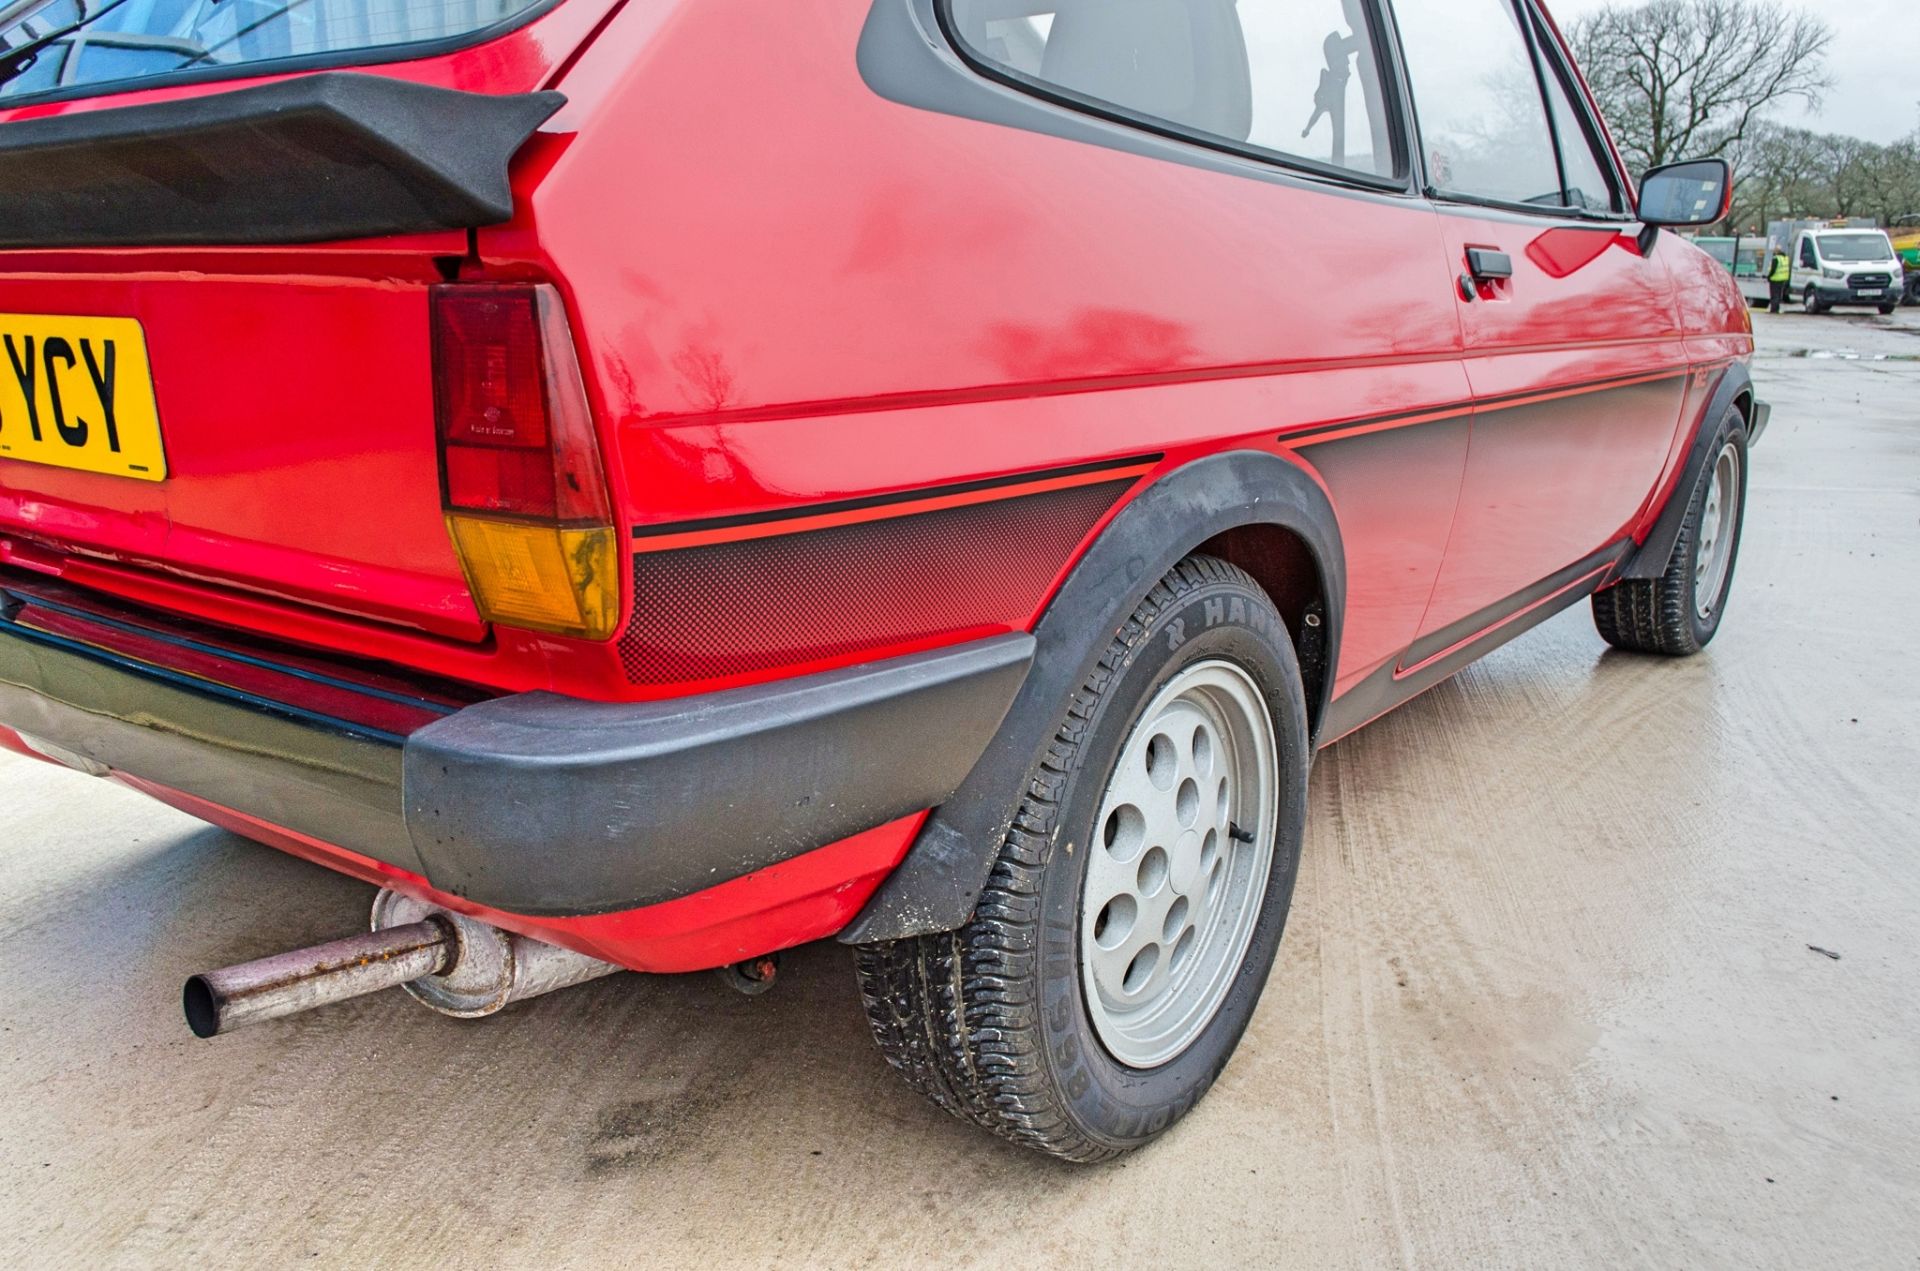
{"x": 77, "y": 393}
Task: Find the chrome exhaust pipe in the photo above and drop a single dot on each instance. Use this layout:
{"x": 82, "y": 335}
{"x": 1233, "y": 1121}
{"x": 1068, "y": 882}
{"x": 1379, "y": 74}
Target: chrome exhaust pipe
{"x": 457, "y": 965}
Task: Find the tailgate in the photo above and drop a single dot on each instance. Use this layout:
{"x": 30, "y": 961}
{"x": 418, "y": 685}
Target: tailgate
{"x": 294, "y": 417}
{"x": 254, "y": 252}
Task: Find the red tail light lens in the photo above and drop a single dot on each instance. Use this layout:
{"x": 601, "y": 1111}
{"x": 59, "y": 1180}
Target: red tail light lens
{"x": 515, "y": 435}
{"x": 525, "y": 495}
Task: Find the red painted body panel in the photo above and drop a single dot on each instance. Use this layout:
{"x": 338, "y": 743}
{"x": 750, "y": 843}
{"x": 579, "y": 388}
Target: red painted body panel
{"x": 290, "y": 409}
{"x": 926, "y": 334}
{"x": 787, "y": 290}
{"x": 1396, "y": 490}
{"x": 1548, "y": 484}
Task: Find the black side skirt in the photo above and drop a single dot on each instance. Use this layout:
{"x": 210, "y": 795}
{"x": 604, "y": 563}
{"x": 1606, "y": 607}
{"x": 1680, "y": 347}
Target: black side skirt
{"x": 1470, "y": 639}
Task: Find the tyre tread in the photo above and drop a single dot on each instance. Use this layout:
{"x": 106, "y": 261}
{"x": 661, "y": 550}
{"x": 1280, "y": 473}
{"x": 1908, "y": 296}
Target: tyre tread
{"x": 955, "y": 1013}
{"x": 1654, "y": 615}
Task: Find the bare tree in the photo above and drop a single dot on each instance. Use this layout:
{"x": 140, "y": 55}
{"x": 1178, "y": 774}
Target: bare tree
{"x": 1792, "y": 172}
{"x": 1778, "y": 175}
{"x": 1844, "y": 165}
{"x": 1890, "y": 181}
{"x": 1683, "y": 79}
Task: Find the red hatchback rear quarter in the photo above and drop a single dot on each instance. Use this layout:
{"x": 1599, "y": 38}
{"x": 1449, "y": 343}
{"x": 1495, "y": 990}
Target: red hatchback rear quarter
{"x": 650, "y": 485}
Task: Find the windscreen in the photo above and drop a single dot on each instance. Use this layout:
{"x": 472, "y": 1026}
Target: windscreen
{"x": 102, "y": 42}
{"x": 1852, "y": 247}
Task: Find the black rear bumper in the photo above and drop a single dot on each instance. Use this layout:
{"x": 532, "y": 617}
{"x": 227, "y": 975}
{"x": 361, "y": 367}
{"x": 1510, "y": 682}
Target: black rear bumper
{"x": 533, "y": 803}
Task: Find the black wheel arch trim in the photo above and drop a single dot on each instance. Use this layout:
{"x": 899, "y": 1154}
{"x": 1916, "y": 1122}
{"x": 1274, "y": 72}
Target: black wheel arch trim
{"x": 1736, "y": 382}
{"x": 937, "y": 886}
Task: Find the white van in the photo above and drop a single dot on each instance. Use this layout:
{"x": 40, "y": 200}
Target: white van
{"x": 1846, "y": 267}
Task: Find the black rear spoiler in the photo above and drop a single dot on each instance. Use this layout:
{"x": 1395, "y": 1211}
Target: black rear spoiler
{"x": 327, "y": 156}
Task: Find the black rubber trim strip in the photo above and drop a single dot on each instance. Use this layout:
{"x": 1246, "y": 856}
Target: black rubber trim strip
{"x": 1657, "y": 549}
{"x": 245, "y": 659}
{"x": 194, "y": 684}
{"x": 322, "y": 777}
{"x": 328, "y": 156}
{"x": 1437, "y": 642}
{"x": 1387, "y": 688}
{"x": 920, "y": 495}
{"x": 541, "y": 804}
{"x": 937, "y": 885}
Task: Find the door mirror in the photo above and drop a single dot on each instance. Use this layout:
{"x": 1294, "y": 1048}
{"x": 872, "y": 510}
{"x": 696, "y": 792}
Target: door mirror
{"x": 1698, "y": 192}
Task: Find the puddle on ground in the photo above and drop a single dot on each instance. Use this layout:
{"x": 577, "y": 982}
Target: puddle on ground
{"x": 1850, "y": 355}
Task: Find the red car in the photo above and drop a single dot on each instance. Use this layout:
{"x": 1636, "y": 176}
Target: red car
{"x": 652, "y": 484}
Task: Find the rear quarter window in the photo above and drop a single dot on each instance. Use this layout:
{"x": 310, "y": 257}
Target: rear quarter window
{"x": 1297, "y": 80}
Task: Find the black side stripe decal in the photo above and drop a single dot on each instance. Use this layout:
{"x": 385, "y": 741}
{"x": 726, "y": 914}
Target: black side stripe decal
{"x": 885, "y": 500}
{"x": 1435, "y": 413}
{"x": 1506, "y": 401}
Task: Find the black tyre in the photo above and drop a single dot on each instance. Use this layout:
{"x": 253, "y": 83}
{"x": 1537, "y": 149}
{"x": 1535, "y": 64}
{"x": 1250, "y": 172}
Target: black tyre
{"x": 1812, "y": 303}
{"x": 1887, "y": 311}
{"x": 1084, "y": 1023}
{"x": 1678, "y": 613}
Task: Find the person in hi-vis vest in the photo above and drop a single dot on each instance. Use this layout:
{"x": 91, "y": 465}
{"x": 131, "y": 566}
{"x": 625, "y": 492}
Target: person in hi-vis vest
{"x": 1777, "y": 278}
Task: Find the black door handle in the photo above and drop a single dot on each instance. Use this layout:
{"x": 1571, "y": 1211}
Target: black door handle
{"x": 1485, "y": 264}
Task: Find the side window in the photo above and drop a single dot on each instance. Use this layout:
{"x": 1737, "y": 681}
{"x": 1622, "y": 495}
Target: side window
{"x": 1483, "y": 125}
{"x": 1297, "y": 78}
{"x": 1589, "y": 187}
{"x": 1808, "y": 256}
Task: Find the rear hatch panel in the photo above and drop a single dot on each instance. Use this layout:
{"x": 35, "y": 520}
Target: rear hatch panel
{"x": 289, "y": 342}
{"x": 297, "y": 419}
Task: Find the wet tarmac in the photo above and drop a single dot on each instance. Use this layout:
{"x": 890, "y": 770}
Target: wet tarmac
{"x": 1553, "y": 993}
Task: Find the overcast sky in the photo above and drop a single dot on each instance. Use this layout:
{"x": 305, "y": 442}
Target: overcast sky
{"x": 1874, "y": 63}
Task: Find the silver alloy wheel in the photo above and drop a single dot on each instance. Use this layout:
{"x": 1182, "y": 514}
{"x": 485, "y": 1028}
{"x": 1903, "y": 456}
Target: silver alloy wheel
{"x": 1179, "y": 862}
{"x": 1714, "y": 552}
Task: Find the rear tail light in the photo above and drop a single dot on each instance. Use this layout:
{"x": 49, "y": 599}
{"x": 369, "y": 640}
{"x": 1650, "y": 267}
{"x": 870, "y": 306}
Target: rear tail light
{"x": 521, "y": 480}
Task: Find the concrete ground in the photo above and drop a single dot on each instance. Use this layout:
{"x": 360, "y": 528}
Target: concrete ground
{"x": 1547, "y": 997}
